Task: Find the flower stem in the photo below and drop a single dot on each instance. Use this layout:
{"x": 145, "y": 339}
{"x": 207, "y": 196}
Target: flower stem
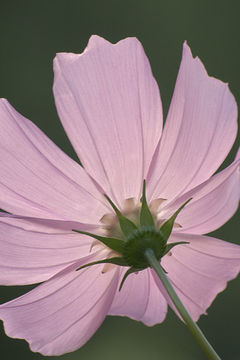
{"x": 193, "y": 327}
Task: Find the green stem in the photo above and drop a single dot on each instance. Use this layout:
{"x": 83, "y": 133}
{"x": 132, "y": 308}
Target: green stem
{"x": 193, "y": 327}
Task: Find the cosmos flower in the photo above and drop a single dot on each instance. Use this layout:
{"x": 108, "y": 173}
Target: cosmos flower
{"x": 110, "y": 107}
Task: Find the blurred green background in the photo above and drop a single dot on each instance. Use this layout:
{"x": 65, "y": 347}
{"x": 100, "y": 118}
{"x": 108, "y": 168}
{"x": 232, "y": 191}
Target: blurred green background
{"x": 31, "y": 32}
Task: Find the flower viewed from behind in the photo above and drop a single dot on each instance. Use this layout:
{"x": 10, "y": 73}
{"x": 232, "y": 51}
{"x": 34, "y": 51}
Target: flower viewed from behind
{"x": 110, "y": 107}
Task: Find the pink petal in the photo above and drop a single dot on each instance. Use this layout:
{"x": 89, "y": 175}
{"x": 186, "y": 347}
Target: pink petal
{"x": 140, "y": 299}
{"x": 45, "y": 225}
{"x": 38, "y": 179}
{"x": 213, "y": 202}
{"x": 199, "y": 132}
{"x": 110, "y": 107}
{"x": 29, "y": 257}
{"x": 238, "y": 155}
{"x": 60, "y": 315}
{"x": 200, "y": 270}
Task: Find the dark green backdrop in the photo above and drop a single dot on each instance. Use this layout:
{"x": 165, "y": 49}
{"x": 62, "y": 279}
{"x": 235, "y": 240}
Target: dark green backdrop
{"x": 31, "y": 32}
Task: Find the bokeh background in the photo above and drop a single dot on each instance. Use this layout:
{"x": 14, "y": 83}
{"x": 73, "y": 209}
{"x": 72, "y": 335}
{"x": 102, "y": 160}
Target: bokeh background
{"x": 31, "y": 32}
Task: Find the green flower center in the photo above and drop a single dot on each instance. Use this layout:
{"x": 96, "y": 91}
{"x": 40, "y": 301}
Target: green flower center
{"x": 138, "y": 242}
{"x": 135, "y": 233}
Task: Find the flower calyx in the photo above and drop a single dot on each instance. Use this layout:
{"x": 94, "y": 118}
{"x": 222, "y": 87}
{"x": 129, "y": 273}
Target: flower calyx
{"x": 136, "y": 239}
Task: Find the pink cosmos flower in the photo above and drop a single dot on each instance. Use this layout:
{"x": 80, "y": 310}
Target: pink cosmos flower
{"x": 110, "y": 107}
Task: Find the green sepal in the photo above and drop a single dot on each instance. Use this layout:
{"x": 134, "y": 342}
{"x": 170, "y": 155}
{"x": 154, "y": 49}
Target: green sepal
{"x": 167, "y": 227}
{"x": 115, "y": 260}
{"x": 128, "y": 272}
{"x": 171, "y": 245}
{"x": 114, "y": 244}
{"x": 146, "y": 218}
{"x": 126, "y": 225}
